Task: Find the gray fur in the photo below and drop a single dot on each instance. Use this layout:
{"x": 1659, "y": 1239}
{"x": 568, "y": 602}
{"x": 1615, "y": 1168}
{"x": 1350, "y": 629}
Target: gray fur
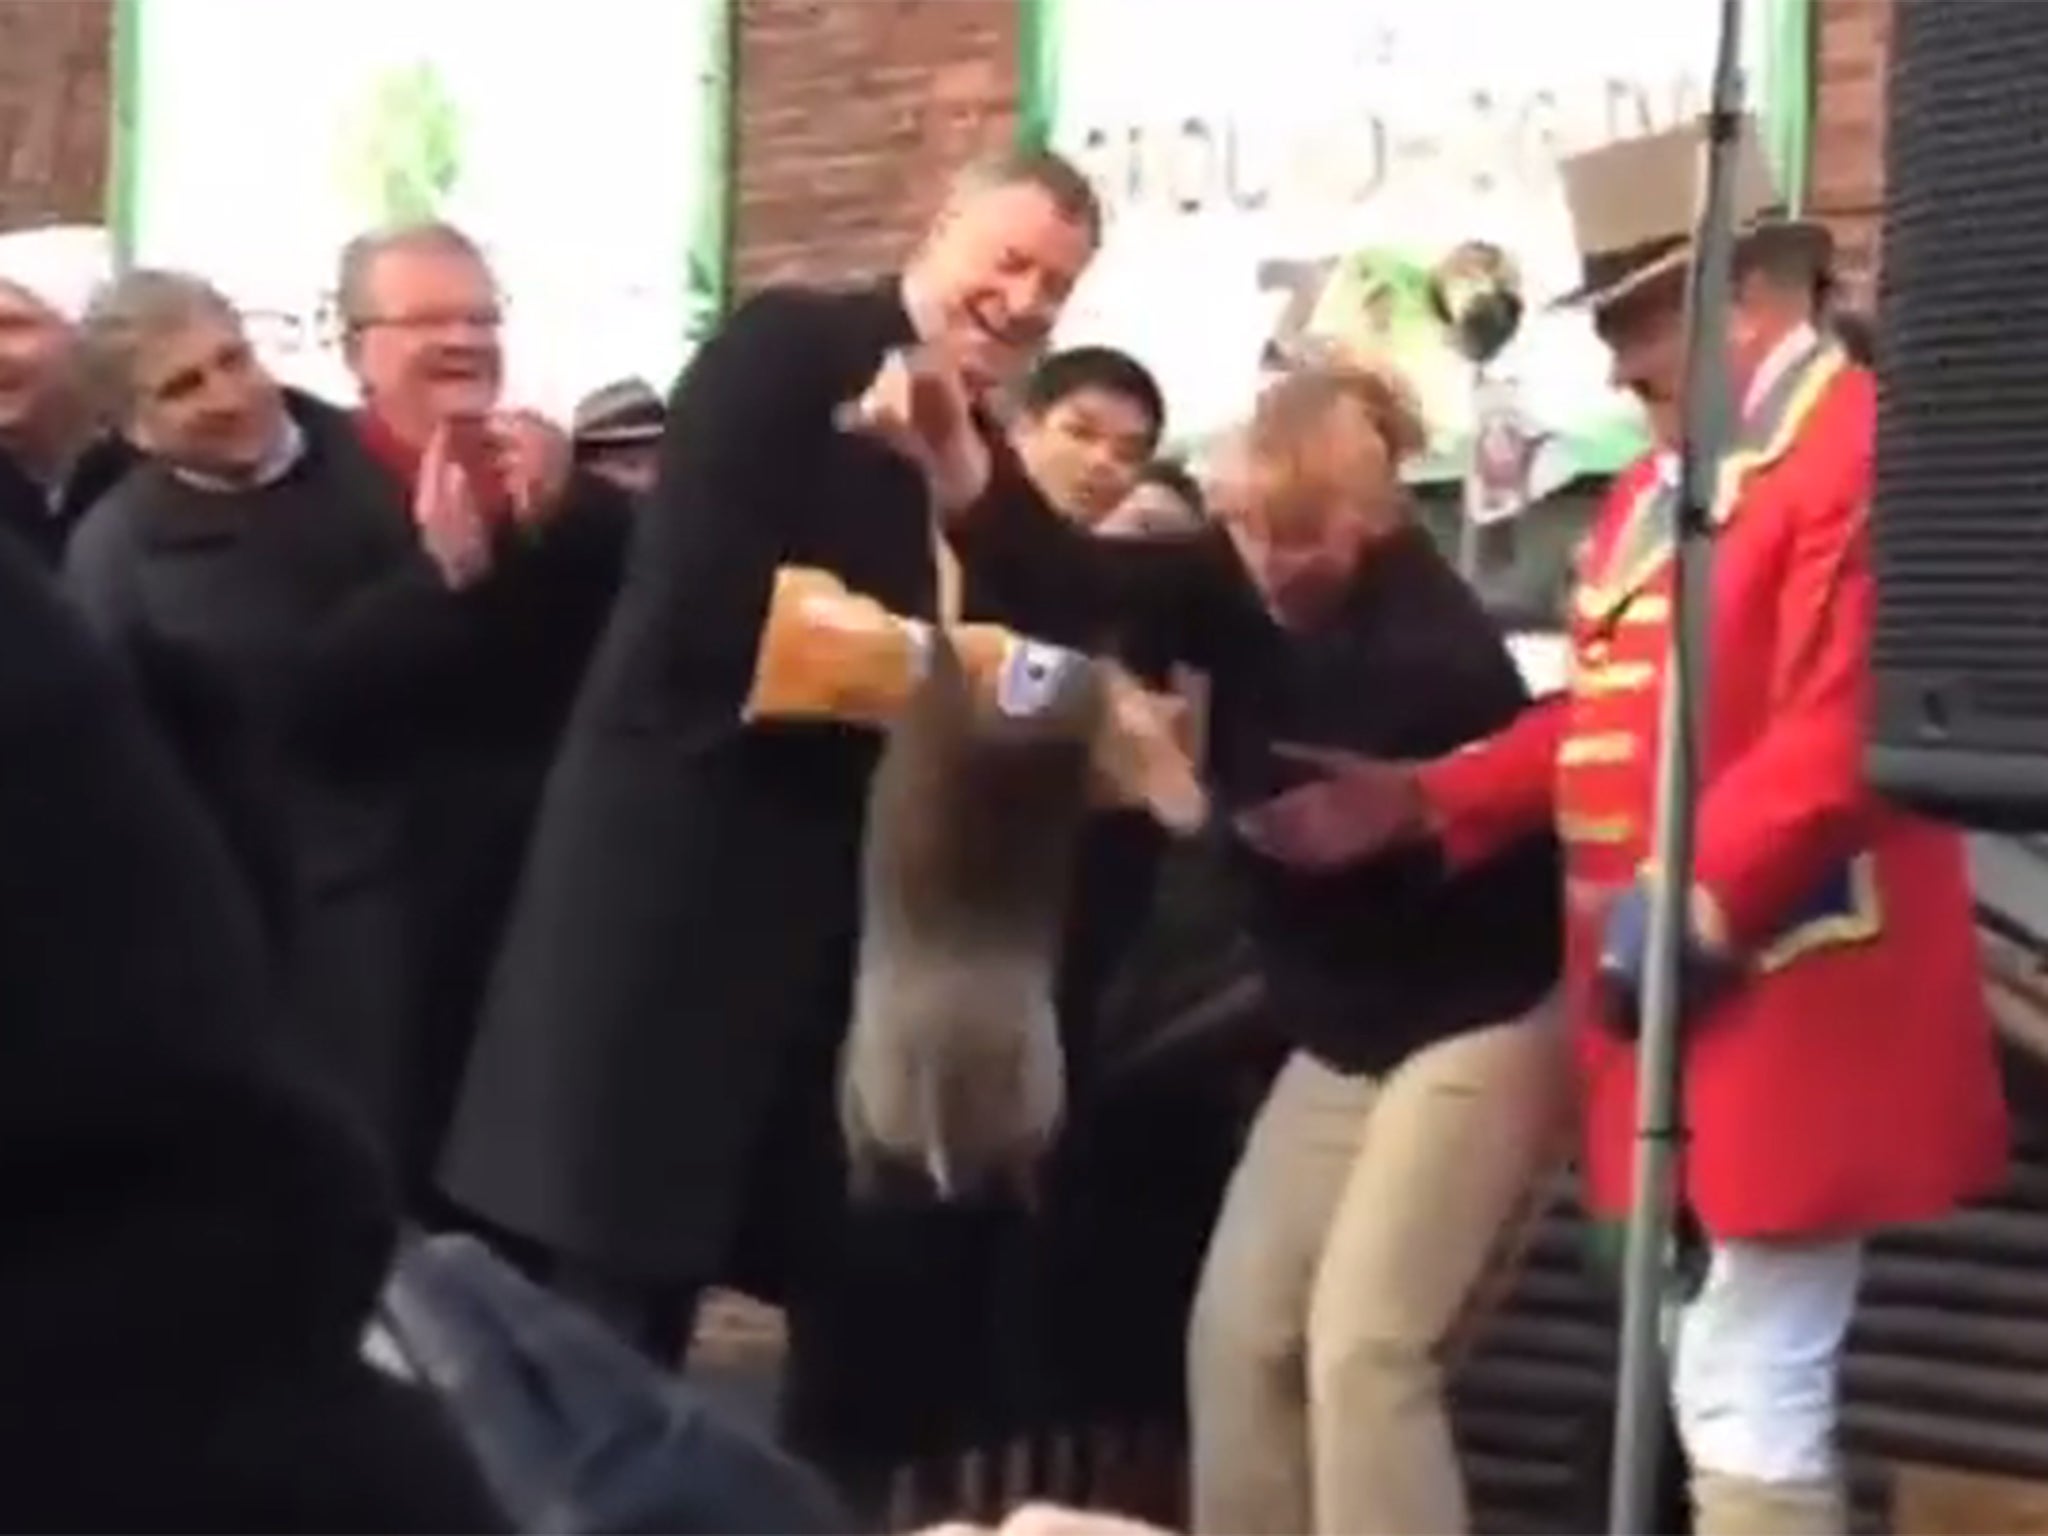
{"x": 952, "y": 1065}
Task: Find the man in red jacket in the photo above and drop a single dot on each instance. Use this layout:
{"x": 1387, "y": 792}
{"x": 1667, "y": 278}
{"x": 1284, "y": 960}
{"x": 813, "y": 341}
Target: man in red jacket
{"x": 1840, "y": 1075}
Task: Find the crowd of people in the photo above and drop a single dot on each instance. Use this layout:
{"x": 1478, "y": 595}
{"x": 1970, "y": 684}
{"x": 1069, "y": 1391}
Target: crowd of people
{"x": 401, "y": 832}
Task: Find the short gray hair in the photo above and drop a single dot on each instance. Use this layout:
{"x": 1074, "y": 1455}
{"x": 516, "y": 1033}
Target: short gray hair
{"x": 1062, "y": 181}
{"x": 360, "y": 256}
{"x": 127, "y": 316}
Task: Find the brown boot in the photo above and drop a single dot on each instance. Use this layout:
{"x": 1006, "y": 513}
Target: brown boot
{"x": 1743, "y": 1506}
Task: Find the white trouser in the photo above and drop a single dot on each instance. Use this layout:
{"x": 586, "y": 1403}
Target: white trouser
{"x": 1754, "y": 1381}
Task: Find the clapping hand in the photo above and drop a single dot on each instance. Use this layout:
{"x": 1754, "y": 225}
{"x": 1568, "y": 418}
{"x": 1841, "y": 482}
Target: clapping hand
{"x": 447, "y": 510}
{"x": 1142, "y": 757}
{"x": 533, "y": 458}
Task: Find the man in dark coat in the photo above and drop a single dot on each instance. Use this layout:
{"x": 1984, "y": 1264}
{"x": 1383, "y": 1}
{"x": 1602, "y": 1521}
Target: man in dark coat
{"x": 314, "y": 669}
{"x": 655, "y": 1069}
{"x": 194, "y": 1240}
{"x": 54, "y": 460}
{"x": 530, "y": 547}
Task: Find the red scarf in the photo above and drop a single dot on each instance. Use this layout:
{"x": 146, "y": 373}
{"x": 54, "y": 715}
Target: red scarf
{"x": 402, "y": 458}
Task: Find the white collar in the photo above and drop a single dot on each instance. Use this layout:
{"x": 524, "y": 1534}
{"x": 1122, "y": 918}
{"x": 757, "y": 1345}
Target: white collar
{"x": 1790, "y": 347}
{"x": 282, "y": 459}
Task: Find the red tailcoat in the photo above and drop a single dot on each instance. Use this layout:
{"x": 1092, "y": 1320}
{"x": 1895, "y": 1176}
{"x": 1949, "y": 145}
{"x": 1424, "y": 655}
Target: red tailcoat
{"x": 1850, "y": 1081}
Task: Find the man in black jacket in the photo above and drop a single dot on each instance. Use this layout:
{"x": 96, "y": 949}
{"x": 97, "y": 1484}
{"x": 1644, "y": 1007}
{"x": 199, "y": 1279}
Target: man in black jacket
{"x": 650, "y": 1100}
{"x": 54, "y": 461}
{"x": 335, "y": 699}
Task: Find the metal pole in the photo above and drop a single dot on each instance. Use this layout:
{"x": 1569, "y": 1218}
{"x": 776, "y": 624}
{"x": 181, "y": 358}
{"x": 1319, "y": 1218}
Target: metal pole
{"x": 1468, "y": 525}
{"x": 1641, "y": 1395}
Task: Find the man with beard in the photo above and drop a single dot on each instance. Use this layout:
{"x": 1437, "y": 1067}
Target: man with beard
{"x": 54, "y": 460}
{"x": 658, "y": 1054}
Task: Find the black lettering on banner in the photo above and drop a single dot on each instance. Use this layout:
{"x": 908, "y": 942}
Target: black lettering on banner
{"x": 1537, "y": 144}
{"x": 1137, "y": 173}
{"x": 1246, "y": 188}
{"x": 1484, "y": 145}
{"x": 1201, "y": 163}
{"x": 1191, "y": 177}
{"x": 1097, "y": 161}
{"x": 1362, "y": 161}
{"x": 1298, "y": 285}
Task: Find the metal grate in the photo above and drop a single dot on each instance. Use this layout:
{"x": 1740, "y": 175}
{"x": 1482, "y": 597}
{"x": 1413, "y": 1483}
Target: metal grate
{"x": 1961, "y": 514}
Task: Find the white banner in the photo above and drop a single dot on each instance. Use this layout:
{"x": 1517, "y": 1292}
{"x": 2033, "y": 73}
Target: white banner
{"x": 582, "y": 145}
{"x": 1295, "y": 168}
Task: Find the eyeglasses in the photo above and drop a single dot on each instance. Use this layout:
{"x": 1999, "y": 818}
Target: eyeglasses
{"x": 433, "y": 320}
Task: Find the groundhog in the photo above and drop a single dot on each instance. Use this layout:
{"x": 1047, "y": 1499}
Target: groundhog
{"x": 952, "y": 1067}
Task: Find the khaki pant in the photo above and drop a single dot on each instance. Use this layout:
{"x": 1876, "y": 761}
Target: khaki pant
{"x": 1359, "y": 1228}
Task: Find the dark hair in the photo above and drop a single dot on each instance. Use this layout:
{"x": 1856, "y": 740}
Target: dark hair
{"x": 1173, "y": 475}
{"x": 1792, "y": 257}
{"x": 1064, "y": 374}
{"x": 1052, "y": 173}
{"x": 1856, "y": 333}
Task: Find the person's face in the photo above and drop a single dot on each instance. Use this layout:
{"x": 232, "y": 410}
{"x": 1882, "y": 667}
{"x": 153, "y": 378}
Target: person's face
{"x": 1084, "y": 451}
{"x": 203, "y": 401}
{"x": 1308, "y": 508}
{"x": 630, "y": 466}
{"x": 1151, "y": 511}
{"x": 999, "y": 265}
{"x": 1645, "y": 337}
{"x": 428, "y": 348}
{"x": 35, "y": 355}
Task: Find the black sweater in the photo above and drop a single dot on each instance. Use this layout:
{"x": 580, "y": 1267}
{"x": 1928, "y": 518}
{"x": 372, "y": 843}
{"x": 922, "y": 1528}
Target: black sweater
{"x": 1363, "y": 966}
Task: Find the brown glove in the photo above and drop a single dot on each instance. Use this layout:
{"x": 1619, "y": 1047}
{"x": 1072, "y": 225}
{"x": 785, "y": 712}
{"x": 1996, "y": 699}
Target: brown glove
{"x": 830, "y": 654}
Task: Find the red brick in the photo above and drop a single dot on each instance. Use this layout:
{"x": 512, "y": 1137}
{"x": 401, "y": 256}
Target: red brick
{"x": 54, "y": 83}
{"x": 1849, "y": 117}
{"x": 852, "y": 113}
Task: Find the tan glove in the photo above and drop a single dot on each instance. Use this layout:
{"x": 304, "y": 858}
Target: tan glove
{"x": 830, "y": 654}
{"x": 1143, "y": 756}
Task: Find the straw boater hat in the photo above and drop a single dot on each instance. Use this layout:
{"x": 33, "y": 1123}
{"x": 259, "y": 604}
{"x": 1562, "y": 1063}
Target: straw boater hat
{"x": 619, "y": 415}
{"x": 1634, "y": 206}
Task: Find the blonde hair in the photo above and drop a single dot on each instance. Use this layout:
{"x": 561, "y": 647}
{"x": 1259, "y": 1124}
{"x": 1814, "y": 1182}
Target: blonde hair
{"x": 1297, "y": 467}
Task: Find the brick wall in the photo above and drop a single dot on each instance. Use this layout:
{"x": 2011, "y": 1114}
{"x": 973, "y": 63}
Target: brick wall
{"x": 1848, "y": 139}
{"x": 53, "y": 109}
{"x": 850, "y": 115}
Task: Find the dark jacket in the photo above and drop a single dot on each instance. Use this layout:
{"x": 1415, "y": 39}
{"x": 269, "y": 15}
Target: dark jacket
{"x": 1367, "y": 965}
{"x": 369, "y": 742}
{"x": 194, "y": 1239}
{"x": 43, "y": 520}
{"x": 685, "y": 925}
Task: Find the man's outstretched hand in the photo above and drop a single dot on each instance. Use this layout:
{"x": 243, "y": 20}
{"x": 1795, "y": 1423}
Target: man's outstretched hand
{"x": 1358, "y": 808}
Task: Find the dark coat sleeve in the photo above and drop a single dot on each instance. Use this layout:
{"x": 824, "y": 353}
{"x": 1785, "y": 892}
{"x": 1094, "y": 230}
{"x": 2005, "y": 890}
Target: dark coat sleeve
{"x": 1186, "y": 599}
{"x": 718, "y": 521}
{"x": 400, "y": 658}
{"x": 186, "y": 1227}
{"x": 208, "y": 729}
